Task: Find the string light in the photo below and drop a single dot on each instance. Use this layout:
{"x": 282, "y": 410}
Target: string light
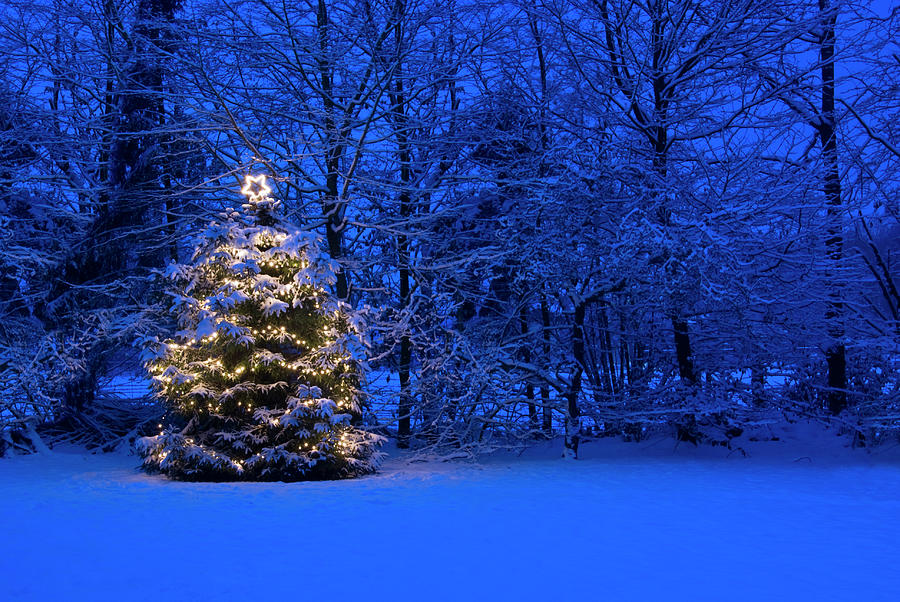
{"x": 232, "y": 279}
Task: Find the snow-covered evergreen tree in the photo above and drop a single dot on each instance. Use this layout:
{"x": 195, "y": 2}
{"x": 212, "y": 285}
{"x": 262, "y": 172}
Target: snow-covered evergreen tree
{"x": 262, "y": 379}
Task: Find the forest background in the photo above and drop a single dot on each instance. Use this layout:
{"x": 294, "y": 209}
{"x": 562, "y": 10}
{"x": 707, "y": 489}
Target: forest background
{"x": 592, "y": 218}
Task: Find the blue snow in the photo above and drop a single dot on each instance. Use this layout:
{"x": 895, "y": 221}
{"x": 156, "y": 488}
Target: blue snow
{"x": 627, "y": 522}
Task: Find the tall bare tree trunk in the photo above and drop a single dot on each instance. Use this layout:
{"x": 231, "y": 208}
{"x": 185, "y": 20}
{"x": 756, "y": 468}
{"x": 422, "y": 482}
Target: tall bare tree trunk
{"x": 332, "y": 206}
{"x": 572, "y": 412}
{"x": 835, "y": 354}
{"x": 526, "y": 357}
{"x": 399, "y": 117}
{"x": 546, "y": 409}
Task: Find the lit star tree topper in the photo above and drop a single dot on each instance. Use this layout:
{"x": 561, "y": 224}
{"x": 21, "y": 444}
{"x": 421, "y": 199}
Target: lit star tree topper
{"x": 262, "y": 379}
{"x": 255, "y": 188}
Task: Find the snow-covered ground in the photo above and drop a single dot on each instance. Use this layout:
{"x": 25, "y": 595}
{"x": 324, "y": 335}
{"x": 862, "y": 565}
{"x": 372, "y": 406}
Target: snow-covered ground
{"x": 796, "y": 520}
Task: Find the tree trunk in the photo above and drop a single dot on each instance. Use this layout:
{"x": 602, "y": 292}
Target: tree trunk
{"x": 404, "y": 154}
{"x": 526, "y": 357}
{"x": 546, "y": 409}
{"x": 573, "y": 420}
{"x": 404, "y": 409}
{"x": 332, "y": 207}
{"x": 683, "y": 351}
{"x": 835, "y": 354}
{"x": 663, "y": 91}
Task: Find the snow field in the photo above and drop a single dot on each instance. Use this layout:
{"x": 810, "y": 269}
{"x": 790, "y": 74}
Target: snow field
{"x": 627, "y": 522}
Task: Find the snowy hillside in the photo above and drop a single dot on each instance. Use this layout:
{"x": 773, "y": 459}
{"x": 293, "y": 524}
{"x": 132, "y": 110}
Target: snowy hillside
{"x": 791, "y": 521}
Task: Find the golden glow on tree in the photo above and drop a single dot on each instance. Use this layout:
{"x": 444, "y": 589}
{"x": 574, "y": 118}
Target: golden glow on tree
{"x": 262, "y": 378}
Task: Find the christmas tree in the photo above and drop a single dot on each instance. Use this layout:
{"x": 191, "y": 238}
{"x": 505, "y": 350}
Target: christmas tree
{"x": 262, "y": 379}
